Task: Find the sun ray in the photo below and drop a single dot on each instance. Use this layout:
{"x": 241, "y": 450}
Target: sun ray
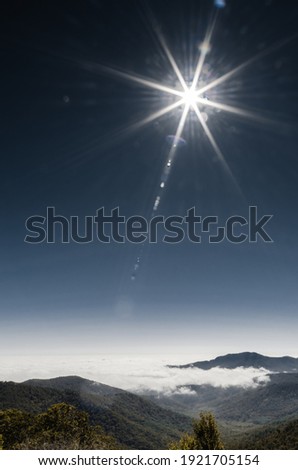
{"x": 136, "y": 79}
{"x": 179, "y": 132}
{"x": 215, "y": 147}
{"x": 242, "y": 66}
{"x": 170, "y": 158}
{"x": 155, "y": 115}
{"x": 235, "y": 110}
{"x": 160, "y": 37}
{"x": 226, "y": 76}
{"x": 204, "y": 52}
{"x": 172, "y": 60}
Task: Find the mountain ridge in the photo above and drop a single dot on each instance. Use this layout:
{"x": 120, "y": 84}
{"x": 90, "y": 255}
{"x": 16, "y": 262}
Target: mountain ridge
{"x": 246, "y": 359}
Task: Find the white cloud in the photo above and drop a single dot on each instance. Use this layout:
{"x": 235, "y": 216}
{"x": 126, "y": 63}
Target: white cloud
{"x": 136, "y": 374}
{"x": 180, "y": 391}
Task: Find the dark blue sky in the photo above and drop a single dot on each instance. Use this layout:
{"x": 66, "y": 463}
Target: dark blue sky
{"x": 65, "y": 143}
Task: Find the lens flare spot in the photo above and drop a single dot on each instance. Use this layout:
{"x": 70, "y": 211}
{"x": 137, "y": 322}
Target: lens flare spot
{"x": 204, "y": 116}
{"x": 175, "y": 141}
{"x": 205, "y": 47}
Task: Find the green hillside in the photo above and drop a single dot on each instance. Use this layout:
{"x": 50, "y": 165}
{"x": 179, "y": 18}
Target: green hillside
{"x": 133, "y": 421}
{"x": 282, "y": 436}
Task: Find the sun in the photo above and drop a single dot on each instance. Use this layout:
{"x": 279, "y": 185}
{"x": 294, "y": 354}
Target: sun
{"x": 190, "y": 98}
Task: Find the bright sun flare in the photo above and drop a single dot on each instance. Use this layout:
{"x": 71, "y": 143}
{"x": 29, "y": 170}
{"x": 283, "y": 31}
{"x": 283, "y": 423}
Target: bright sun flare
{"x": 190, "y": 97}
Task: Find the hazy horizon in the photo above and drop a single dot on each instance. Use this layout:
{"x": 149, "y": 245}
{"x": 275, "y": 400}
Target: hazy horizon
{"x": 137, "y": 336}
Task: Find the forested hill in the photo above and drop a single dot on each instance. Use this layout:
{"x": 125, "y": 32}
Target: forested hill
{"x": 135, "y": 422}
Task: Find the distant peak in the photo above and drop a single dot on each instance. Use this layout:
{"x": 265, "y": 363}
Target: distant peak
{"x": 248, "y": 359}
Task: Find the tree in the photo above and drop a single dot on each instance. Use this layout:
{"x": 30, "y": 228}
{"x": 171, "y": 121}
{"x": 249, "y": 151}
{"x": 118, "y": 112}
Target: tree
{"x": 206, "y": 432}
{"x": 62, "y": 426}
{"x": 14, "y": 426}
{"x": 205, "y": 435}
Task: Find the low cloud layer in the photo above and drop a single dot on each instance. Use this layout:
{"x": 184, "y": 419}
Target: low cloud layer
{"x": 137, "y": 374}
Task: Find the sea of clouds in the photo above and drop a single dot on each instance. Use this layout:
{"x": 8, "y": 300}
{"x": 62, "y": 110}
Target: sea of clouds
{"x": 139, "y": 374}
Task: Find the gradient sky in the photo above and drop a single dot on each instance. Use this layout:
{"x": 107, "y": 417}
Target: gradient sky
{"x": 64, "y": 143}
